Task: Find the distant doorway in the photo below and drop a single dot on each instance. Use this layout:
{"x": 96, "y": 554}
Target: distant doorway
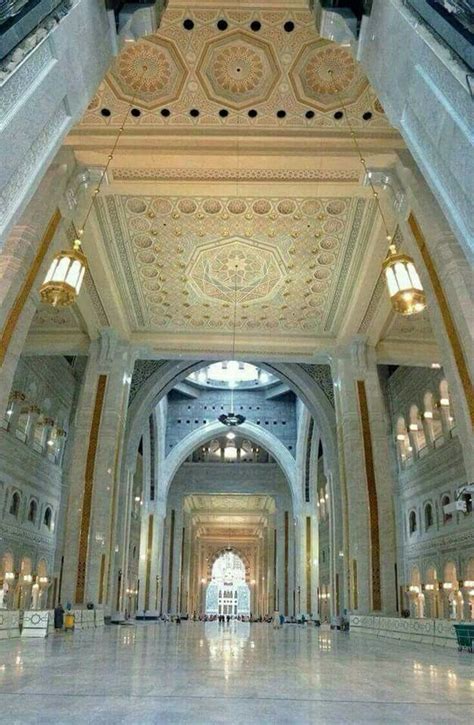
{"x": 228, "y": 593}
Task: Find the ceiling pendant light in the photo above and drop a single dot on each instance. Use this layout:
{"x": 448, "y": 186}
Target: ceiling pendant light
{"x": 232, "y": 419}
{"x": 403, "y": 282}
{"x": 404, "y": 285}
{"x": 63, "y": 280}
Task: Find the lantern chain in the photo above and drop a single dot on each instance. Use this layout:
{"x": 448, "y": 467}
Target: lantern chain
{"x": 375, "y": 193}
{"x": 96, "y": 191}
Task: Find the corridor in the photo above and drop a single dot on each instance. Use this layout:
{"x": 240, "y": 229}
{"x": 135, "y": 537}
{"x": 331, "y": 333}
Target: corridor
{"x": 241, "y": 673}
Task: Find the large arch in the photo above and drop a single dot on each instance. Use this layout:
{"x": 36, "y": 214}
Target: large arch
{"x": 211, "y": 430}
{"x": 172, "y": 372}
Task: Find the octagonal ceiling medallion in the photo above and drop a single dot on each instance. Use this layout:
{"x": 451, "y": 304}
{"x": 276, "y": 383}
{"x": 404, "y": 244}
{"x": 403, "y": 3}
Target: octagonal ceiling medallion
{"x": 238, "y": 70}
{"x": 313, "y": 83}
{"x": 236, "y": 269}
{"x": 160, "y": 83}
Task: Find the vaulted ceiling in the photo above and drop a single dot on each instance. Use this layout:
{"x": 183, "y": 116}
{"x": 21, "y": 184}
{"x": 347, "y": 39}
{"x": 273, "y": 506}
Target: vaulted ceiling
{"x": 235, "y": 181}
{"x": 229, "y": 517}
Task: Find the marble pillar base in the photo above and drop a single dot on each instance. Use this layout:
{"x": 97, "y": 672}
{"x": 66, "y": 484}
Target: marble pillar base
{"x": 9, "y": 624}
{"x": 35, "y": 624}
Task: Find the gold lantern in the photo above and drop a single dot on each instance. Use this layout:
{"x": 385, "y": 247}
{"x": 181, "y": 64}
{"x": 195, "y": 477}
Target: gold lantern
{"x": 404, "y": 285}
{"x": 64, "y": 278}
{"x": 66, "y": 273}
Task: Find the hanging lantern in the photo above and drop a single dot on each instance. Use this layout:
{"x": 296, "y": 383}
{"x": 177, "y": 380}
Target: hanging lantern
{"x": 64, "y": 278}
{"x": 404, "y": 285}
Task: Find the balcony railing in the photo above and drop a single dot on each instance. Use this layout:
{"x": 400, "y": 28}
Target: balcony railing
{"x": 452, "y": 21}
{"x": 19, "y": 18}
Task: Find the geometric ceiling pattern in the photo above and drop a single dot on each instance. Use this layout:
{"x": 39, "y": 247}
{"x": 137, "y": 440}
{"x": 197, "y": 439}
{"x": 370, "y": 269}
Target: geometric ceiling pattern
{"x": 245, "y": 67}
{"x": 182, "y": 262}
{"x": 229, "y": 516}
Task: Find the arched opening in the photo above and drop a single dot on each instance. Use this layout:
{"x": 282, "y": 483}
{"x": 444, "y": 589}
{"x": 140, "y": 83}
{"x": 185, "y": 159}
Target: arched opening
{"x": 412, "y": 523}
{"x": 32, "y": 511}
{"x": 15, "y": 504}
{"x": 428, "y": 516}
{"x": 453, "y": 597}
{"x": 48, "y": 517}
{"x": 228, "y": 593}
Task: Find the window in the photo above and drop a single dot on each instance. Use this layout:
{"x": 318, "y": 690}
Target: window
{"x": 467, "y": 498}
{"x": 32, "y": 511}
{"x": 48, "y": 514}
{"x": 412, "y": 522}
{"x": 428, "y": 516}
{"x": 444, "y": 502}
{"x": 15, "y": 504}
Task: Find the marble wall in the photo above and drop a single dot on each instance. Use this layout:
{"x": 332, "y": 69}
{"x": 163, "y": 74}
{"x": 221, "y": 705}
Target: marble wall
{"x": 42, "y": 97}
{"x": 433, "y": 546}
{"x": 425, "y": 94}
{"x": 32, "y": 441}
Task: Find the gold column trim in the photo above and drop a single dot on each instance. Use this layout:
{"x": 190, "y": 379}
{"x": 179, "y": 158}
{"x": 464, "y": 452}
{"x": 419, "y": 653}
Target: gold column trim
{"x": 308, "y": 564}
{"x": 448, "y": 320}
{"x": 148, "y": 561}
{"x": 372, "y": 496}
{"x": 88, "y": 489}
{"x": 22, "y": 296}
{"x": 101, "y": 579}
{"x": 171, "y": 561}
{"x": 286, "y": 560}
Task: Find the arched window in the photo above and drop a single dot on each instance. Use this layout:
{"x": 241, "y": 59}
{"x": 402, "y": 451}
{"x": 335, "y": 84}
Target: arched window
{"x": 416, "y": 429}
{"x": 404, "y": 447}
{"x": 467, "y": 498}
{"x": 445, "y": 404}
{"x": 32, "y": 511}
{"x": 444, "y": 502}
{"x": 428, "y": 516}
{"x": 15, "y": 504}
{"x": 47, "y": 518}
{"x": 412, "y": 522}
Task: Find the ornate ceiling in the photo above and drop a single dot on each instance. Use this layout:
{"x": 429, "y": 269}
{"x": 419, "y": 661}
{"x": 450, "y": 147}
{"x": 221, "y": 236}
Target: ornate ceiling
{"x": 222, "y": 67}
{"x": 229, "y": 517}
{"x": 235, "y": 179}
{"x": 184, "y": 261}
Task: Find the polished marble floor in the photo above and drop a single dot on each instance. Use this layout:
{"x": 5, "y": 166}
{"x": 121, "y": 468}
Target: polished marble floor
{"x": 196, "y": 673}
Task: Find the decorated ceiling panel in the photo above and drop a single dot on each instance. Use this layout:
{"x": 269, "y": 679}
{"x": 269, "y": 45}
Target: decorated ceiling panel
{"x": 260, "y": 68}
{"x": 182, "y": 262}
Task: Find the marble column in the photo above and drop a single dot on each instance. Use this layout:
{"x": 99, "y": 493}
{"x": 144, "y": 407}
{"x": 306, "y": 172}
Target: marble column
{"x": 280, "y": 564}
{"x": 98, "y": 515}
{"x": 361, "y": 416}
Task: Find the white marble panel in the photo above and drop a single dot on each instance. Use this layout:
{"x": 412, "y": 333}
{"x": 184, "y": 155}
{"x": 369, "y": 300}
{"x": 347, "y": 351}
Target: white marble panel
{"x": 35, "y": 623}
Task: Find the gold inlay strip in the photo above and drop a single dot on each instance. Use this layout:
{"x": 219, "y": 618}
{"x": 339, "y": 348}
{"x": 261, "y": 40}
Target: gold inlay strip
{"x": 88, "y": 489}
{"x": 170, "y": 560}
{"x": 286, "y": 563}
{"x": 448, "y": 320}
{"x": 23, "y": 294}
{"x": 372, "y": 496}
{"x": 101, "y": 579}
{"x": 308, "y": 564}
{"x": 148, "y": 561}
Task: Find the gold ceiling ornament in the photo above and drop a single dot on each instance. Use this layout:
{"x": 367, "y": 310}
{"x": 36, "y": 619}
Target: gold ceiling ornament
{"x": 65, "y": 275}
{"x": 403, "y": 282}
